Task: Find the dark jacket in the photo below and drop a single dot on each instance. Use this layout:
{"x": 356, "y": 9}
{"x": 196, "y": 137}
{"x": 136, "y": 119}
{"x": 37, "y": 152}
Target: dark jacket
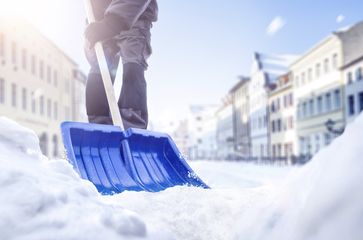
{"x": 130, "y": 11}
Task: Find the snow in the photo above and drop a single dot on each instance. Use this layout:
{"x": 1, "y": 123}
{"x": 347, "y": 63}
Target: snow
{"x": 45, "y": 199}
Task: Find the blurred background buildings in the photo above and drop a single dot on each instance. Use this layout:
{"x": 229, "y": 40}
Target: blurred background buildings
{"x": 40, "y": 86}
{"x": 291, "y": 106}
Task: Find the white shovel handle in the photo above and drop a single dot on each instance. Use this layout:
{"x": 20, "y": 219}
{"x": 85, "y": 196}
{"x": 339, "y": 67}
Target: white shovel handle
{"x": 106, "y": 78}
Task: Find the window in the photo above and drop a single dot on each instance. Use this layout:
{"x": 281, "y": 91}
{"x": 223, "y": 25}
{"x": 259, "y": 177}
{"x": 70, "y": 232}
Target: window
{"x": 351, "y": 105}
{"x": 278, "y": 127}
{"x": 360, "y": 101}
{"x": 34, "y": 106}
{"x": 67, "y": 86}
{"x": 41, "y": 69}
{"x": 320, "y": 104}
{"x": 24, "y": 99}
{"x": 55, "y": 78}
{"x": 273, "y": 106}
{"x": 328, "y": 101}
{"x": 335, "y": 61}
{"x": 285, "y": 101}
{"x": 317, "y": 142}
{"x": 317, "y": 70}
{"x": 41, "y": 105}
{"x": 55, "y": 146}
{"x": 311, "y": 107}
{"x": 327, "y": 138}
{"x": 349, "y": 78}
{"x": 326, "y": 65}
{"x": 2, "y": 91}
{"x": 55, "y": 110}
{"x": 302, "y": 78}
{"x": 278, "y": 104}
{"x": 358, "y": 74}
{"x": 274, "y": 150}
{"x": 49, "y": 108}
{"x": 13, "y": 95}
{"x": 13, "y": 53}
{"x": 43, "y": 142}
{"x": 2, "y": 45}
{"x": 24, "y": 59}
{"x": 273, "y": 126}
{"x": 310, "y": 74}
{"x": 291, "y": 100}
{"x": 49, "y": 74}
{"x": 297, "y": 81}
{"x": 304, "y": 112}
{"x": 337, "y": 98}
{"x": 279, "y": 150}
{"x": 290, "y": 122}
{"x": 33, "y": 65}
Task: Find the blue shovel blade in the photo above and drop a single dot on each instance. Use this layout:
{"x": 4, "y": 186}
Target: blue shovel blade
{"x": 133, "y": 160}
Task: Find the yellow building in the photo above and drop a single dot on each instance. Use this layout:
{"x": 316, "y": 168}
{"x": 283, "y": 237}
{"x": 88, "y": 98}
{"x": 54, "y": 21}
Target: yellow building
{"x": 40, "y": 86}
{"x": 319, "y": 88}
{"x": 282, "y": 119}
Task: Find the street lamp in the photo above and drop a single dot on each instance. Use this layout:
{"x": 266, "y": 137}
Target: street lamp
{"x": 330, "y": 127}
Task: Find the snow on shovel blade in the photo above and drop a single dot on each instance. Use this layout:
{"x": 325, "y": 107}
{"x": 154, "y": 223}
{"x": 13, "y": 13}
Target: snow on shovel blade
{"x": 132, "y": 160}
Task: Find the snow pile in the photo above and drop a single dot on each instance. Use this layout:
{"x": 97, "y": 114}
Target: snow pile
{"x": 41, "y": 199}
{"x": 323, "y": 200}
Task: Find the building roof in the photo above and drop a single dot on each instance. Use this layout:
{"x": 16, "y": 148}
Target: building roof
{"x": 274, "y": 65}
{"x": 243, "y": 80}
{"x": 351, "y": 63}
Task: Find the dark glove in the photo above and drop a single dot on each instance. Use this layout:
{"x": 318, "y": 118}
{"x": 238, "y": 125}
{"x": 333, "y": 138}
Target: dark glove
{"x": 110, "y": 26}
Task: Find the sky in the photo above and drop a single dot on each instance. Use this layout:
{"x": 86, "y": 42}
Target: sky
{"x": 200, "y": 47}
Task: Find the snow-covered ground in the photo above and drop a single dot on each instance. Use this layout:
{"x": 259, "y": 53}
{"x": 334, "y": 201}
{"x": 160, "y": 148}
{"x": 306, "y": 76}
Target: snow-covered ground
{"x": 43, "y": 199}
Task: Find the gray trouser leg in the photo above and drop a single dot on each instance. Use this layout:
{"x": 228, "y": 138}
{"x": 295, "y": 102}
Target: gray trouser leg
{"x": 133, "y": 102}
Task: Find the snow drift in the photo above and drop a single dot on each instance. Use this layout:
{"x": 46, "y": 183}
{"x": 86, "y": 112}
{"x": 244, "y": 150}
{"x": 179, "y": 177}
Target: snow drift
{"x": 43, "y": 199}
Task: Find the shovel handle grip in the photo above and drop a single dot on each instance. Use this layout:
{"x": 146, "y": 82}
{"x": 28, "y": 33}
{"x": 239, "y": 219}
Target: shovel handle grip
{"x": 106, "y": 77}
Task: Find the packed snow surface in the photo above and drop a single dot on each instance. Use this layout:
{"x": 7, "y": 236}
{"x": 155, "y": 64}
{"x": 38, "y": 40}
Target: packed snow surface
{"x": 45, "y": 199}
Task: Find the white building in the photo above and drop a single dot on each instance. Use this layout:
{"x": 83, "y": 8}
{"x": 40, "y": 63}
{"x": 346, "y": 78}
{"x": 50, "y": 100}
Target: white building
{"x": 265, "y": 70}
{"x": 241, "y": 124}
{"x": 353, "y": 78}
{"x": 39, "y": 85}
{"x": 202, "y": 132}
{"x": 225, "y": 135}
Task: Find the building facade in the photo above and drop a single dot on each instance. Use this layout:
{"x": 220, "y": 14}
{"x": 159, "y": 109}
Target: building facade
{"x": 39, "y": 85}
{"x": 202, "y": 139}
{"x": 225, "y": 138}
{"x": 319, "y": 88}
{"x": 265, "y": 71}
{"x": 241, "y": 124}
{"x": 282, "y": 119}
{"x": 353, "y": 79}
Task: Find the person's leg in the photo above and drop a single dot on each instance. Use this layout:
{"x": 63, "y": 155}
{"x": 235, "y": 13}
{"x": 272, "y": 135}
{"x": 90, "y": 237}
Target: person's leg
{"x": 133, "y": 101}
{"x": 134, "y": 49}
{"x": 96, "y": 100}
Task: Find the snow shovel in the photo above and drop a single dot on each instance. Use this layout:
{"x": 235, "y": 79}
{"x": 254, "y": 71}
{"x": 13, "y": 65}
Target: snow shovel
{"x": 115, "y": 160}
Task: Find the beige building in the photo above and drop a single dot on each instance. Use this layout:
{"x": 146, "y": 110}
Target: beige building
{"x": 282, "y": 119}
{"x": 39, "y": 85}
{"x": 319, "y": 88}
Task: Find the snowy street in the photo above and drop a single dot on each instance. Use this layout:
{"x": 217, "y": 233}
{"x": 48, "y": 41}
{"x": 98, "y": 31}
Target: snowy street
{"x": 43, "y": 199}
